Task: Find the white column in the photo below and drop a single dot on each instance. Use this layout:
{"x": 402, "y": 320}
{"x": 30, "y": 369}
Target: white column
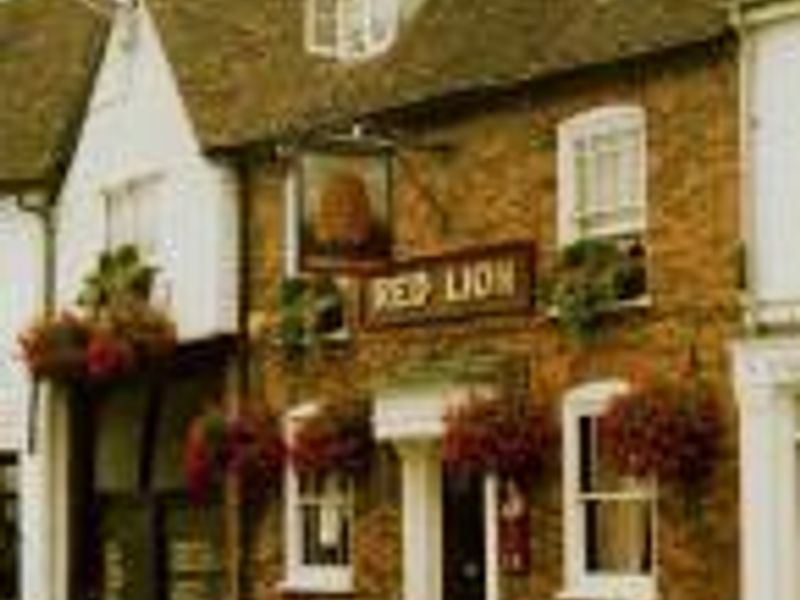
{"x": 492, "y": 537}
{"x": 422, "y": 520}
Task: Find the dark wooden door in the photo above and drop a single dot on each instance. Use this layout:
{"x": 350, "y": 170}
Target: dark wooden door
{"x": 127, "y": 561}
{"x": 464, "y": 539}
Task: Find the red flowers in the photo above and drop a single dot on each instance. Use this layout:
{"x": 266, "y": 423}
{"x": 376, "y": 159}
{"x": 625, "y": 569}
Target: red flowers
{"x": 337, "y": 436}
{"x": 111, "y": 344}
{"x": 670, "y": 431}
{"x": 494, "y": 435}
{"x": 250, "y": 446}
{"x": 117, "y": 331}
{"x": 107, "y": 355}
{"x": 54, "y": 348}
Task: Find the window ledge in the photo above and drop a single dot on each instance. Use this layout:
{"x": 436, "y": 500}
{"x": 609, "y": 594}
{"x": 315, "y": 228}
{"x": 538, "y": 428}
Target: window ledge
{"x": 303, "y": 586}
{"x": 610, "y": 592}
{"x": 639, "y": 303}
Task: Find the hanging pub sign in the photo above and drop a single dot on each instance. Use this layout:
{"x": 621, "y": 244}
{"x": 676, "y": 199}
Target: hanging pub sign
{"x": 344, "y": 208}
{"x": 493, "y": 280}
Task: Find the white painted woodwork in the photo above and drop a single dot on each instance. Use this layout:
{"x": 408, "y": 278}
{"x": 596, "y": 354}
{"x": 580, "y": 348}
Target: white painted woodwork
{"x": 771, "y": 87}
{"x": 20, "y": 301}
{"x": 422, "y": 520}
{"x": 137, "y": 127}
{"x": 410, "y": 416}
{"x": 767, "y": 386}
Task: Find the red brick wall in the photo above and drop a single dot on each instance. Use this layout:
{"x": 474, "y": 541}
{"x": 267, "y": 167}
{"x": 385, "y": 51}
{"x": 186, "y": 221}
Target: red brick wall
{"x": 498, "y": 183}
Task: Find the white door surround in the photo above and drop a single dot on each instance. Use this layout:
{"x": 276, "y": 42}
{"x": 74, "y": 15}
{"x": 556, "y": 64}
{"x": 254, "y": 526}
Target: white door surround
{"x": 411, "y": 418}
{"x": 767, "y": 385}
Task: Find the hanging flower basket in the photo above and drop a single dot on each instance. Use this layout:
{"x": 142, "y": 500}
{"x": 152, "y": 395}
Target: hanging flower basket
{"x": 670, "y": 431}
{"x": 496, "y": 436}
{"x": 310, "y": 310}
{"x": 56, "y": 348}
{"x": 337, "y": 437}
{"x": 595, "y": 275}
{"x": 115, "y": 334}
{"x": 204, "y": 453}
{"x": 249, "y": 446}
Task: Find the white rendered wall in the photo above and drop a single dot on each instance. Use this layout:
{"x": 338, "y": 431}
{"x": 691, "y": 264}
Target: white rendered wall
{"x": 772, "y": 89}
{"x": 137, "y": 127}
{"x": 21, "y": 278}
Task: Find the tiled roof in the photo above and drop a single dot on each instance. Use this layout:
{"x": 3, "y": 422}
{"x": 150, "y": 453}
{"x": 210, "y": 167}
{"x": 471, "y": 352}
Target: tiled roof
{"x": 48, "y": 50}
{"x": 245, "y": 75}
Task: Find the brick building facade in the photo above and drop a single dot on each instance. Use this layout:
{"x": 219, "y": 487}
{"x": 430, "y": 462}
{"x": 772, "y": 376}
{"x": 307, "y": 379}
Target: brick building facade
{"x": 477, "y": 171}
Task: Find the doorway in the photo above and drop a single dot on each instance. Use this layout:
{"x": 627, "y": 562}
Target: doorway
{"x": 464, "y": 539}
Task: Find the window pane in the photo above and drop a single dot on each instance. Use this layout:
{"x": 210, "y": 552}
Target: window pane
{"x": 325, "y": 520}
{"x": 596, "y": 472}
{"x": 353, "y": 26}
{"x": 619, "y": 536}
{"x": 323, "y": 24}
{"x": 120, "y": 438}
{"x": 608, "y": 179}
{"x": 383, "y": 16}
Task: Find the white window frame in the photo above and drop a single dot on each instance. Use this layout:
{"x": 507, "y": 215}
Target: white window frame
{"x": 344, "y": 24}
{"x": 579, "y": 130}
{"x": 138, "y": 203}
{"x": 327, "y": 579}
{"x": 591, "y": 400}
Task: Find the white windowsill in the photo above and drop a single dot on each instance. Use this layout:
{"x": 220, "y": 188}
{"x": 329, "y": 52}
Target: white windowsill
{"x": 328, "y": 588}
{"x": 639, "y": 303}
{"x": 596, "y": 592}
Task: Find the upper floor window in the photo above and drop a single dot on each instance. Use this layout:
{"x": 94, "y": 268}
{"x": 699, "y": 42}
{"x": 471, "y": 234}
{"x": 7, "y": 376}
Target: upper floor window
{"x": 9, "y": 528}
{"x": 609, "y": 518}
{"x": 350, "y": 29}
{"x": 602, "y": 173}
{"x": 133, "y": 214}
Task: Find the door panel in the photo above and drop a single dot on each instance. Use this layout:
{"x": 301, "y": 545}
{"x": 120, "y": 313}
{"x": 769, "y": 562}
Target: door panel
{"x": 193, "y": 542}
{"x": 464, "y": 538}
{"x": 127, "y": 562}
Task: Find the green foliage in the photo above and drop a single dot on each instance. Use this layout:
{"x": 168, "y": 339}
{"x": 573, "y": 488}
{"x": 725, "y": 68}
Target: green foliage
{"x": 120, "y": 277}
{"x": 309, "y": 310}
{"x": 594, "y": 274}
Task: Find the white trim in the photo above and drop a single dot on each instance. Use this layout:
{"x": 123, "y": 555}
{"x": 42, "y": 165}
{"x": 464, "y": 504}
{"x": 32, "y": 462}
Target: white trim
{"x": 491, "y": 512}
{"x": 766, "y": 381}
{"x": 422, "y": 519}
{"x": 372, "y": 45}
{"x": 756, "y": 13}
{"x": 590, "y": 399}
{"x": 583, "y": 126}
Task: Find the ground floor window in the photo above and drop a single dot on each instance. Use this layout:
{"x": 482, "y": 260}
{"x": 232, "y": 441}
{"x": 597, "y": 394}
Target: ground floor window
{"x": 145, "y": 539}
{"x": 9, "y": 528}
{"x": 609, "y": 518}
{"x": 319, "y": 526}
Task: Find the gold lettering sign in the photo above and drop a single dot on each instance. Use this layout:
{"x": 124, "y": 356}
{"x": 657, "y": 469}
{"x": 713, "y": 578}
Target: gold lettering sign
{"x": 476, "y": 282}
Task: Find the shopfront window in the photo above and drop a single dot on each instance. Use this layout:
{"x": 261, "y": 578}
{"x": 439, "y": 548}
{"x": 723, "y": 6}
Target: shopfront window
{"x": 9, "y": 526}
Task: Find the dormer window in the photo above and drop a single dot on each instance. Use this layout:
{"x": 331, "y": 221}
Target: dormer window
{"x": 350, "y": 29}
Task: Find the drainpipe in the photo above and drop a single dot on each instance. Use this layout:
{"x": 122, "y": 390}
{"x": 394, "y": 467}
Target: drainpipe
{"x": 53, "y": 522}
{"x": 242, "y": 167}
{"x": 44, "y": 211}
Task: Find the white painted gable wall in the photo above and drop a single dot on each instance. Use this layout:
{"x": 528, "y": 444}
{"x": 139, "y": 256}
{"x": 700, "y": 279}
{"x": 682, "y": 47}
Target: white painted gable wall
{"x": 137, "y": 126}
